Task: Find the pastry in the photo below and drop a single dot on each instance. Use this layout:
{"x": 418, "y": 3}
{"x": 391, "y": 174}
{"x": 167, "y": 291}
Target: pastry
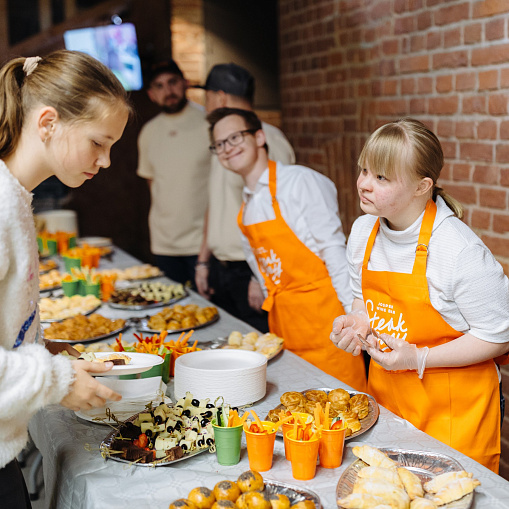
{"x": 182, "y": 503}
{"x": 373, "y": 456}
{"x": 441, "y": 480}
{"x": 292, "y": 399}
{"x": 317, "y": 396}
{"x": 304, "y": 504}
{"x": 422, "y": 503}
{"x": 279, "y": 501}
{"x": 411, "y": 483}
{"x": 250, "y": 481}
{"x": 396, "y": 497}
{"x": 455, "y": 490}
{"x": 359, "y": 403}
{"x": 223, "y": 504}
{"x": 226, "y": 490}
{"x": 202, "y": 497}
{"x": 253, "y": 500}
{"x": 360, "y": 501}
{"x": 386, "y": 474}
{"x": 235, "y": 338}
{"x": 338, "y": 398}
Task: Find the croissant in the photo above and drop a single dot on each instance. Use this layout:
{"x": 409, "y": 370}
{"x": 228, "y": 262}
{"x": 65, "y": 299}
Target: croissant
{"x": 385, "y": 474}
{"x": 373, "y": 456}
{"x": 455, "y": 490}
{"x": 396, "y": 497}
{"x": 360, "y": 404}
{"x": 440, "y": 481}
{"x": 360, "y": 501}
{"x": 411, "y": 482}
{"x": 422, "y": 503}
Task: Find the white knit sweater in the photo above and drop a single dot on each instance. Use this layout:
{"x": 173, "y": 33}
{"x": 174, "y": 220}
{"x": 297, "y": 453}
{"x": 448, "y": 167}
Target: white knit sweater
{"x": 30, "y": 377}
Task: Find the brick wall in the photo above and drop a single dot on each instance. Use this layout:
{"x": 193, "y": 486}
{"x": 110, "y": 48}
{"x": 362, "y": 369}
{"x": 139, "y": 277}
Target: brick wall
{"x": 348, "y": 66}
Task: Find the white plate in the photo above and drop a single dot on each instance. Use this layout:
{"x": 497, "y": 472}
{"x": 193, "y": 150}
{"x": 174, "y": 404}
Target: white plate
{"x": 95, "y": 241}
{"x": 140, "y": 362}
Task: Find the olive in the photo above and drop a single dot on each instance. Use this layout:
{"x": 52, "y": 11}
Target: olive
{"x": 209, "y": 405}
{"x": 208, "y": 414}
{"x": 178, "y": 425}
{"x": 179, "y": 406}
{"x": 204, "y": 423}
{"x": 195, "y": 402}
{"x": 158, "y": 419}
{"x": 148, "y": 432}
{"x": 187, "y": 413}
{"x": 200, "y": 442}
{"x": 184, "y": 447}
{"x": 209, "y": 441}
{"x": 170, "y": 428}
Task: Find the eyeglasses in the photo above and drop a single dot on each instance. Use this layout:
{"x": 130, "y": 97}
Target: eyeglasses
{"x": 234, "y": 139}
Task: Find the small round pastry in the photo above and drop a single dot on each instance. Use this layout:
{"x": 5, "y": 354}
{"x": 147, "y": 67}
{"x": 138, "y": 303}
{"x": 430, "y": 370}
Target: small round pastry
{"x": 226, "y": 490}
{"x": 250, "y": 338}
{"x": 202, "y": 497}
{"x": 279, "y": 501}
{"x": 253, "y": 500}
{"x": 224, "y": 504}
{"x": 338, "y": 398}
{"x": 273, "y": 415}
{"x": 310, "y": 406}
{"x": 250, "y": 481}
{"x": 182, "y": 503}
{"x": 317, "y": 396}
{"x": 292, "y": 399}
{"x": 304, "y": 504}
{"x": 235, "y": 338}
{"x": 360, "y": 404}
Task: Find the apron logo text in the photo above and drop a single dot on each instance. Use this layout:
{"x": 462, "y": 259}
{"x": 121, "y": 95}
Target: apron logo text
{"x": 270, "y": 264}
{"x": 381, "y": 325}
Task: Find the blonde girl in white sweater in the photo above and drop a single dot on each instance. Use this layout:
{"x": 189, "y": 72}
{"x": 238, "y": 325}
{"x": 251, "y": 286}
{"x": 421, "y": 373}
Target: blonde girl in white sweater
{"x": 59, "y": 115}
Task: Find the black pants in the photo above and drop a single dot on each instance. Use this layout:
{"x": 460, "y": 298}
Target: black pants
{"x": 13, "y": 490}
{"x": 230, "y": 281}
{"x": 178, "y": 268}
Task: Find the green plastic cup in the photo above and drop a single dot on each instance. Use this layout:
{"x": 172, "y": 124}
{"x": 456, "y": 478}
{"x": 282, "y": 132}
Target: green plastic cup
{"x": 70, "y": 288}
{"x": 93, "y": 289}
{"x": 71, "y": 262}
{"x": 227, "y": 444}
{"x": 52, "y": 247}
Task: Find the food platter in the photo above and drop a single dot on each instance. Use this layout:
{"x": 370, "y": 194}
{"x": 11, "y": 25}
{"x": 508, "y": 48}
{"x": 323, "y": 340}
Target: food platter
{"x": 141, "y": 307}
{"x": 46, "y": 266}
{"x": 426, "y": 465}
{"x": 108, "y": 441}
{"x": 95, "y": 241}
{"x": 143, "y": 326}
{"x": 294, "y": 493}
{"x": 222, "y": 343}
{"x": 140, "y": 362}
{"x": 78, "y": 312}
{"x": 50, "y": 289}
{"x": 367, "y": 423}
{"x": 94, "y": 339}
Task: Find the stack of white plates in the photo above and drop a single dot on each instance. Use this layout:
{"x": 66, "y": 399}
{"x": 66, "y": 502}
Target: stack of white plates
{"x": 238, "y": 376}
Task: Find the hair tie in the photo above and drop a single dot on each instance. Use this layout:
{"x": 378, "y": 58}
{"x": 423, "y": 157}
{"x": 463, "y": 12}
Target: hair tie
{"x": 30, "y": 65}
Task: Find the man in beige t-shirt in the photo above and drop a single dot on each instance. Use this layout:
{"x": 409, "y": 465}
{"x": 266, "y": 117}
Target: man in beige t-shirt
{"x": 174, "y": 158}
{"x": 222, "y": 273}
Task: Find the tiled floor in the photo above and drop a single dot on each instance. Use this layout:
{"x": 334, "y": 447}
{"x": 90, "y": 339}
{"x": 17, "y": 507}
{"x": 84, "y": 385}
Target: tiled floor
{"x": 29, "y": 457}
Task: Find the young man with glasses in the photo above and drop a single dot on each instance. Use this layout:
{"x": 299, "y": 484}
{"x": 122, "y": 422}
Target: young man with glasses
{"x": 173, "y": 157}
{"x": 293, "y": 240}
{"x": 222, "y": 274}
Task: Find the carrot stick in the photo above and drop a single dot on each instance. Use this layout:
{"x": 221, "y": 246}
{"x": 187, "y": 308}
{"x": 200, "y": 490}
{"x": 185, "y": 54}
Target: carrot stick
{"x": 317, "y": 412}
{"x": 257, "y": 419}
{"x": 230, "y": 420}
{"x": 326, "y": 418}
{"x": 193, "y": 348}
{"x": 244, "y": 417}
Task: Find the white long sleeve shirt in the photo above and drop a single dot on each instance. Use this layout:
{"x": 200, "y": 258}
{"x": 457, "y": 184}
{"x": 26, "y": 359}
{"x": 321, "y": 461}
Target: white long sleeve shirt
{"x": 308, "y": 203}
{"x": 467, "y": 286}
{"x": 30, "y": 377}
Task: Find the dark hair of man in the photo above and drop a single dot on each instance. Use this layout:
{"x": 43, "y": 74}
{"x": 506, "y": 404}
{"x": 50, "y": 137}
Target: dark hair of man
{"x": 250, "y": 119}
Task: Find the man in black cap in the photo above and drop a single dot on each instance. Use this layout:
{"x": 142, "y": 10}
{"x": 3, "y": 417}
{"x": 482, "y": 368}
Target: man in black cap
{"x": 173, "y": 157}
{"x": 222, "y": 273}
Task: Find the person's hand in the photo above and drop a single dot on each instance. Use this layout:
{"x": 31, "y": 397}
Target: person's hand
{"x": 56, "y": 347}
{"x": 86, "y": 392}
{"x": 255, "y": 295}
{"x": 403, "y": 355}
{"x": 346, "y": 330}
{"x": 201, "y": 278}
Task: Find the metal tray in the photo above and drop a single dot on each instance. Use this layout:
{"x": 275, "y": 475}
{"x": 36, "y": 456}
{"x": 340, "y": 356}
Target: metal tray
{"x": 106, "y": 444}
{"x": 426, "y": 465}
{"x": 50, "y": 289}
{"x": 367, "y": 423}
{"x": 143, "y": 326}
{"x": 223, "y": 343}
{"x": 141, "y": 307}
{"x": 86, "y": 313}
{"x": 97, "y": 338}
{"x": 294, "y": 493}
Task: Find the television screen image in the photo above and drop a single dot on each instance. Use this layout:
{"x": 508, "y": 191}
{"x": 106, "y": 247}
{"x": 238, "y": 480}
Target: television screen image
{"x": 115, "y": 46}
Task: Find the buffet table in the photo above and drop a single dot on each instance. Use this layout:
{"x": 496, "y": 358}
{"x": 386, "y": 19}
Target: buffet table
{"x": 76, "y": 476}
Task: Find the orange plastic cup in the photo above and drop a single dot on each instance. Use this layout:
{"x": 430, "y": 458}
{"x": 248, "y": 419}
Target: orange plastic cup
{"x": 288, "y": 427}
{"x": 331, "y": 447}
{"x": 304, "y": 455}
{"x": 260, "y": 447}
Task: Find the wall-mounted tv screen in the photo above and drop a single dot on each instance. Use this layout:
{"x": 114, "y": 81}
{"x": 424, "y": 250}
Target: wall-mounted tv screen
{"x": 115, "y": 46}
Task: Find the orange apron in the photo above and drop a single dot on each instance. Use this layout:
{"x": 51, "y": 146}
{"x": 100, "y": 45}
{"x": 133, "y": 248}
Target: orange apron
{"x": 301, "y": 302}
{"x": 458, "y": 406}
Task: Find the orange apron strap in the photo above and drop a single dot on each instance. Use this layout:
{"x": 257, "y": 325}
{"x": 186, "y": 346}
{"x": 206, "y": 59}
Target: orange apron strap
{"x": 421, "y": 251}
{"x": 369, "y": 245}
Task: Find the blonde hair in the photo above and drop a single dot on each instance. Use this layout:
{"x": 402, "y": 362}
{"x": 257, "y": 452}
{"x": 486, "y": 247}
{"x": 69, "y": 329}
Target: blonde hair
{"x": 408, "y": 147}
{"x": 77, "y": 85}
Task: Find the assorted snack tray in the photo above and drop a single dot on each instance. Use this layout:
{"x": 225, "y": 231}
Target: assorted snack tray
{"x": 147, "y": 296}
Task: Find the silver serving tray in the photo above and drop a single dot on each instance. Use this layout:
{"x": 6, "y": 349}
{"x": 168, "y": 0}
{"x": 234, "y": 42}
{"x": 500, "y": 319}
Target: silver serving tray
{"x": 223, "y": 344}
{"x": 141, "y": 307}
{"x": 426, "y": 465}
{"x": 143, "y": 326}
{"x": 93, "y": 340}
{"x": 106, "y": 444}
{"x": 50, "y": 289}
{"x": 294, "y": 493}
{"x": 367, "y": 423}
{"x": 89, "y": 312}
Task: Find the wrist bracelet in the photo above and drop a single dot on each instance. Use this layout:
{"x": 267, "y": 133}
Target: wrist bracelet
{"x": 201, "y": 264}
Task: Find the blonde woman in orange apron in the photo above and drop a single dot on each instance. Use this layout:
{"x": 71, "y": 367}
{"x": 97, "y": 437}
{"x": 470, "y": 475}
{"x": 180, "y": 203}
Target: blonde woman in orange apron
{"x": 303, "y": 266}
{"x": 430, "y": 300}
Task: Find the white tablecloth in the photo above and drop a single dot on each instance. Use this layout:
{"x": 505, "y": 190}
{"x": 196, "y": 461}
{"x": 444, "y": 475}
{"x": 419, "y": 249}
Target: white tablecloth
{"x": 76, "y": 476}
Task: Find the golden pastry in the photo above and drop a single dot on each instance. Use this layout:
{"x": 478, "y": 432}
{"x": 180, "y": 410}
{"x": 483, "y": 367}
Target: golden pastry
{"x": 304, "y": 504}
{"x": 235, "y": 338}
{"x": 292, "y": 399}
{"x": 226, "y": 490}
{"x": 224, "y": 504}
{"x": 386, "y": 474}
{"x": 360, "y": 501}
{"x": 373, "y": 456}
{"x": 396, "y": 497}
{"x": 182, "y": 503}
{"x": 253, "y": 500}
{"x": 279, "y": 501}
{"x": 338, "y": 398}
{"x": 317, "y": 396}
{"x": 411, "y": 483}
{"x": 310, "y": 406}
{"x": 202, "y": 497}
{"x": 273, "y": 415}
{"x": 422, "y": 503}
{"x": 455, "y": 490}
{"x": 441, "y": 480}
{"x": 250, "y": 338}
{"x": 250, "y": 481}
{"x": 360, "y": 404}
